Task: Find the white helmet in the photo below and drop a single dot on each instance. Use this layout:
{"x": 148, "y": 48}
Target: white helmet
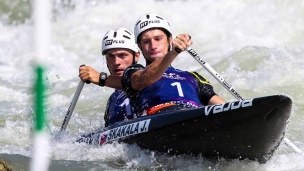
{"x": 148, "y": 21}
{"x": 119, "y": 38}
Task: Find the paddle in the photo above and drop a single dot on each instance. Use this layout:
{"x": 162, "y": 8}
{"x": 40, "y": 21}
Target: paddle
{"x": 72, "y": 106}
{"x": 231, "y": 90}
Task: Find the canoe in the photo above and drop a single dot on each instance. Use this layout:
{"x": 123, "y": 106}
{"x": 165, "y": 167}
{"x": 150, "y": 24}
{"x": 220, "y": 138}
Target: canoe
{"x": 251, "y": 128}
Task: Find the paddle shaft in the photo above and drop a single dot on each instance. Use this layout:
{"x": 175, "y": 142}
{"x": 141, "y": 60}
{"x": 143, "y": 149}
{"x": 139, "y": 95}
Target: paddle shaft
{"x": 230, "y": 89}
{"x": 72, "y": 106}
{"x": 214, "y": 73}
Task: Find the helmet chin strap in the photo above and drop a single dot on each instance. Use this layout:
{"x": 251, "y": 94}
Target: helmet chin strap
{"x": 133, "y": 61}
{"x": 147, "y": 61}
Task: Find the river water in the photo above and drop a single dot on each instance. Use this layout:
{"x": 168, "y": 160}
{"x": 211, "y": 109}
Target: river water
{"x": 257, "y": 46}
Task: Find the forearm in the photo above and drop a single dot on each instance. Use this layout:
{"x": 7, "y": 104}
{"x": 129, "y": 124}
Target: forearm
{"x": 153, "y": 72}
{"x": 156, "y": 69}
{"x": 114, "y": 81}
{"x": 87, "y": 73}
{"x": 144, "y": 78}
{"x": 216, "y": 100}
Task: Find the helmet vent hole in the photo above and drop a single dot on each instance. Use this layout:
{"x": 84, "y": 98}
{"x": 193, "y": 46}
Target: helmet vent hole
{"x": 127, "y": 32}
{"x": 115, "y": 33}
{"x": 105, "y": 38}
{"x": 138, "y": 22}
{"x": 159, "y": 17}
{"x": 148, "y": 16}
{"x": 126, "y": 36}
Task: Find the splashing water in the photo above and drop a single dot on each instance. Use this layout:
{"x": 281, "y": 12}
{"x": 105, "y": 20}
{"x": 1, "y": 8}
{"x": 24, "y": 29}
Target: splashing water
{"x": 255, "y": 45}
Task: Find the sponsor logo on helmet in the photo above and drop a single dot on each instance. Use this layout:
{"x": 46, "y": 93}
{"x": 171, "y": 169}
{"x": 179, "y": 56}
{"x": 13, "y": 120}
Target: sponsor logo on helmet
{"x": 143, "y": 24}
{"x": 110, "y": 42}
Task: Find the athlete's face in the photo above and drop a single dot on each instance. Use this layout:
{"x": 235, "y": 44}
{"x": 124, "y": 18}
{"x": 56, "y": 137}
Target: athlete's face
{"x": 119, "y": 59}
{"x": 154, "y": 44}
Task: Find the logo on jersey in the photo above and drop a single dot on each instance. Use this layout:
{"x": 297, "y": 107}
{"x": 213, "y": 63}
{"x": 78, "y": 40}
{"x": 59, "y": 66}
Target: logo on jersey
{"x": 126, "y": 102}
{"x": 110, "y": 42}
{"x": 173, "y": 76}
{"x": 144, "y": 24}
{"x": 187, "y": 104}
